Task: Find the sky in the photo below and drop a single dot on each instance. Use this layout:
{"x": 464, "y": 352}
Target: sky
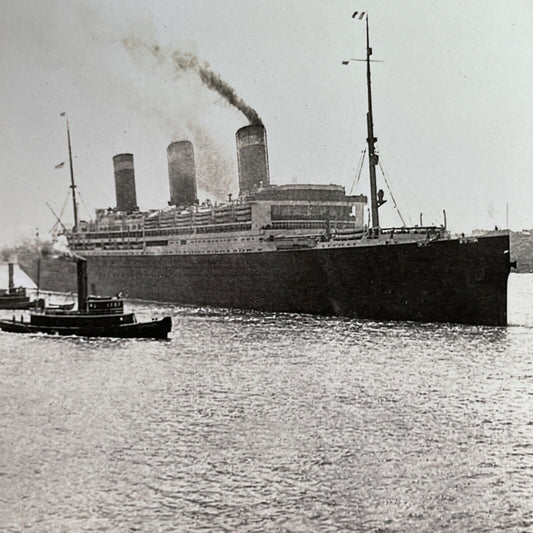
{"x": 452, "y": 97}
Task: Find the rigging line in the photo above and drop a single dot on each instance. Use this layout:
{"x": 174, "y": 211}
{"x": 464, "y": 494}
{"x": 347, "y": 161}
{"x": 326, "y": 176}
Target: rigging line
{"x": 390, "y": 192}
{"x": 84, "y": 204}
{"x": 58, "y": 219}
{"x": 415, "y": 193}
{"x": 64, "y": 205}
{"x": 53, "y": 228}
{"x": 359, "y": 169}
{"x": 60, "y": 216}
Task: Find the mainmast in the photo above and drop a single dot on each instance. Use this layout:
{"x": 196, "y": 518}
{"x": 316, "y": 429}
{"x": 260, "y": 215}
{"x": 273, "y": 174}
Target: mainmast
{"x": 371, "y": 140}
{"x": 72, "y": 184}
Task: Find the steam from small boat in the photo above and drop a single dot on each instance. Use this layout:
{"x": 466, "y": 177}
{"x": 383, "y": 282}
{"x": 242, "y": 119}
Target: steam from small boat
{"x": 188, "y": 62}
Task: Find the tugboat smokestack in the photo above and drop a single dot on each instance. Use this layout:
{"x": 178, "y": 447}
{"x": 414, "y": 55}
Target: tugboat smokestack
{"x": 11, "y": 282}
{"x": 81, "y": 265}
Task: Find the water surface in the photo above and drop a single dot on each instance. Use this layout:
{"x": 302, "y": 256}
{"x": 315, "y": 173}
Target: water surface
{"x": 272, "y": 422}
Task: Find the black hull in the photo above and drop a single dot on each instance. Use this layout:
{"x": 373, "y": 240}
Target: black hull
{"x": 461, "y": 281}
{"x": 157, "y": 329}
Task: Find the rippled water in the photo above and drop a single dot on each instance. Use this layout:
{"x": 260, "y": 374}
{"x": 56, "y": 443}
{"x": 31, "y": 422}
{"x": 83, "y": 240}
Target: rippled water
{"x": 265, "y": 422}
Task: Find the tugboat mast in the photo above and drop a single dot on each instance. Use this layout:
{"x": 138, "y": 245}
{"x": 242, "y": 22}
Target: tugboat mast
{"x": 371, "y": 140}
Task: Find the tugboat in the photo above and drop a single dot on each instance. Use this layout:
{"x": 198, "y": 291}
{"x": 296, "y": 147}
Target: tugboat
{"x": 95, "y": 317}
{"x": 16, "y": 297}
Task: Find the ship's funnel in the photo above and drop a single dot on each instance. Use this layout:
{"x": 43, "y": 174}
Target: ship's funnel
{"x": 252, "y": 156}
{"x": 125, "y": 183}
{"x": 11, "y": 282}
{"x": 181, "y": 173}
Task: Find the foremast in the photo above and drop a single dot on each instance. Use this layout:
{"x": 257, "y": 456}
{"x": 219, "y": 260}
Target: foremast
{"x": 371, "y": 140}
{"x": 72, "y": 184}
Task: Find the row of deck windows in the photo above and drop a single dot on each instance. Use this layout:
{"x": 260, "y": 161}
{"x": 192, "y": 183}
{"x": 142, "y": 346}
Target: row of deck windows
{"x": 125, "y": 244}
{"x": 169, "y": 231}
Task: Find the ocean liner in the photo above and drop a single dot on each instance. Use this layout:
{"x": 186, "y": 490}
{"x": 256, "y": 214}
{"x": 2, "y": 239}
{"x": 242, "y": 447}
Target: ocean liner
{"x": 288, "y": 248}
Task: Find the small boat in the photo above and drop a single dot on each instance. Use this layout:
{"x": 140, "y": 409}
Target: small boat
{"x": 95, "y": 317}
{"x": 16, "y": 297}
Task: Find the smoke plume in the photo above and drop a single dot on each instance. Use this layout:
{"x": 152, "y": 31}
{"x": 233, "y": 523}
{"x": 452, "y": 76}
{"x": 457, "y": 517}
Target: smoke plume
{"x": 188, "y": 62}
{"x": 215, "y": 172}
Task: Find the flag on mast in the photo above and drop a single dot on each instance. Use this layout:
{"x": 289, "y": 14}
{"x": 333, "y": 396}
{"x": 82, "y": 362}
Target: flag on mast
{"x": 358, "y": 14}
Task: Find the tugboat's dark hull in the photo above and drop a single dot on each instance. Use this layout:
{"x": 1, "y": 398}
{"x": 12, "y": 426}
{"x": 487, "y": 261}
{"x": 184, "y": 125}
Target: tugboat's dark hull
{"x": 157, "y": 329}
{"x": 455, "y": 280}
